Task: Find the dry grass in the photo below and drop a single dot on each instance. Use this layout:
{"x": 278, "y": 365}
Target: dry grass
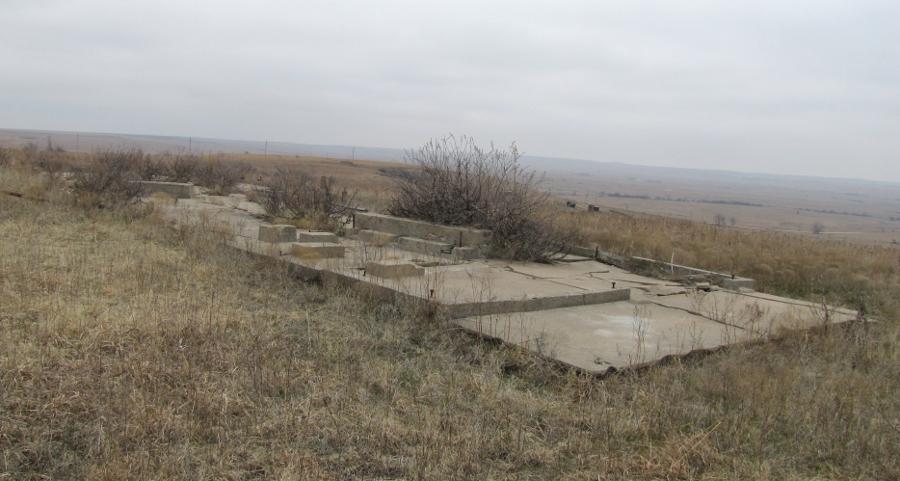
{"x": 841, "y": 272}
{"x": 133, "y": 351}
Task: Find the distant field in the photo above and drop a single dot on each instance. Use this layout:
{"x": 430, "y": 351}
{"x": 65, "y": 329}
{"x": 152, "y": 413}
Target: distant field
{"x": 863, "y": 212}
{"x": 856, "y": 211}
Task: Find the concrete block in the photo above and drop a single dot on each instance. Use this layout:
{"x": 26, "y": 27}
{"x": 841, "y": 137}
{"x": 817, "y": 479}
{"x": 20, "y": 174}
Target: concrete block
{"x": 317, "y": 250}
{"x": 393, "y": 270}
{"x": 376, "y": 238}
{"x": 433, "y": 248}
{"x": 277, "y": 233}
{"x": 178, "y": 190}
{"x": 466, "y": 253}
{"x": 304, "y": 236}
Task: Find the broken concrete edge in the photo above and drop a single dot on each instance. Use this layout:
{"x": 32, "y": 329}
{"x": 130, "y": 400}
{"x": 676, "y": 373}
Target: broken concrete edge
{"x": 633, "y": 263}
{"x": 473, "y": 309}
{"x": 724, "y": 280}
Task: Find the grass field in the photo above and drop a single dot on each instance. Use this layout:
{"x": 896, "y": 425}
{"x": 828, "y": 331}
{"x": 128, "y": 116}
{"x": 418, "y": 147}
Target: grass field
{"x": 132, "y": 350}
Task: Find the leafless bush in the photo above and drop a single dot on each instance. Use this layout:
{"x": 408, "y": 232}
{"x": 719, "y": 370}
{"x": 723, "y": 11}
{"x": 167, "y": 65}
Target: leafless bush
{"x": 109, "y": 177}
{"x": 5, "y": 157}
{"x": 459, "y": 183}
{"x": 219, "y": 176}
{"x": 182, "y": 167}
{"x": 151, "y": 168}
{"x": 297, "y": 195}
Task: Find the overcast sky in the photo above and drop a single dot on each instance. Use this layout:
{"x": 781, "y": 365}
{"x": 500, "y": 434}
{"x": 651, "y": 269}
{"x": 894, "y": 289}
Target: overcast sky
{"x": 782, "y": 86}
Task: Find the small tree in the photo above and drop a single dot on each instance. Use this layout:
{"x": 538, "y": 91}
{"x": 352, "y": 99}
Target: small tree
{"x": 818, "y": 228}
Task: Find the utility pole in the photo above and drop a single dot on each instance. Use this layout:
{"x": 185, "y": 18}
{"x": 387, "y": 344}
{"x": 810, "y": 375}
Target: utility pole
{"x": 267, "y": 150}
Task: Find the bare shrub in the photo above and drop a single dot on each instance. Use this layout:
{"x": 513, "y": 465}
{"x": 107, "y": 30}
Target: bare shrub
{"x": 150, "y": 168}
{"x": 296, "y": 195}
{"x": 459, "y": 183}
{"x": 109, "y": 177}
{"x": 219, "y": 176}
{"x": 181, "y": 167}
{"x": 5, "y": 156}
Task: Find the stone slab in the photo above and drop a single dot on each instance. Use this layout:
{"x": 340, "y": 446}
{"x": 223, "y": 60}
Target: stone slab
{"x": 277, "y": 233}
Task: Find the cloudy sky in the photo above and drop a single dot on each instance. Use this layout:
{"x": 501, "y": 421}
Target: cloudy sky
{"x": 799, "y": 86}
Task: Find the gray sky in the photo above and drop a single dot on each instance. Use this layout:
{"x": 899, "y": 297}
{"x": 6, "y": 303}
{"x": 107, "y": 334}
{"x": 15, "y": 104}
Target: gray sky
{"x": 798, "y": 86}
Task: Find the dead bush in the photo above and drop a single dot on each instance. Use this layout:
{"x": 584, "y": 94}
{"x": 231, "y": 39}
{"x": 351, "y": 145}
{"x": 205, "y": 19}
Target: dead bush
{"x": 5, "y": 157}
{"x": 150, "y": 168}
{"x": 296, "y": 195}
{"x": 181, "y": 167}
{"x": 219, "y": 176}
{"x": 459, "y": 183}
{"x": 109, "y": 178}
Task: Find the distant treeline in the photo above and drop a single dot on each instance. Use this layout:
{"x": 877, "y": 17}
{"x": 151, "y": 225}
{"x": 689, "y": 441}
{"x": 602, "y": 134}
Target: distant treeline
{"x": 837, "y": 212}
{"x": 678, "y": 199}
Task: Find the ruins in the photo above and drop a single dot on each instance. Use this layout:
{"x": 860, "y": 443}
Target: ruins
{"x": 590, "y": 310}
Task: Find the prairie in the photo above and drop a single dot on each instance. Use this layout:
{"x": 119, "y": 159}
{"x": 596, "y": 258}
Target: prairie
{"x": 133, "y": 350}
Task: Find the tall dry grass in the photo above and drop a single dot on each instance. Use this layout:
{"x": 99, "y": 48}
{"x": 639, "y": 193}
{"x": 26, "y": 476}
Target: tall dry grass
{"x": 861, "y": 277}
{"x": 132, "y": 350}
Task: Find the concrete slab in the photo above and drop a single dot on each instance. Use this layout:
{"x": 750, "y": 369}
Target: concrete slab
{"x": 599, "y": 338}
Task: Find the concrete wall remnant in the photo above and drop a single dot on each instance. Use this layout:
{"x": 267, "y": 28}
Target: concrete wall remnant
{"x": 277, "y": 233}
{"x": 454, "y": 235}
{"x": 393, "y": 270}
{"x": 305, "y": 236}
{"x": 178, "y": 190}
{"x": 317, "y": 250}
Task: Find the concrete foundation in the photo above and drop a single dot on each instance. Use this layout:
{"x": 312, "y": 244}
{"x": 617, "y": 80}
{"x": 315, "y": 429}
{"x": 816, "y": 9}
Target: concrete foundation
{"x": 177, "y": 190}
{"x": 317, "y": 250}
{"x": 596, "y": 316}
{"x": 305, "y": 236}
{"x": 376, "y": 238}
{"x": 277, "y": 233}
{"x": 465, "y": 253}
{"x": 432, "y": 248}
{"x": 459, "y": 236}
{"x": 393, "y": 270}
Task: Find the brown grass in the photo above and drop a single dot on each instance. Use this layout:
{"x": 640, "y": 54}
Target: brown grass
{"x": 858, "y": 276}
{"x": 129, "y": 350}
